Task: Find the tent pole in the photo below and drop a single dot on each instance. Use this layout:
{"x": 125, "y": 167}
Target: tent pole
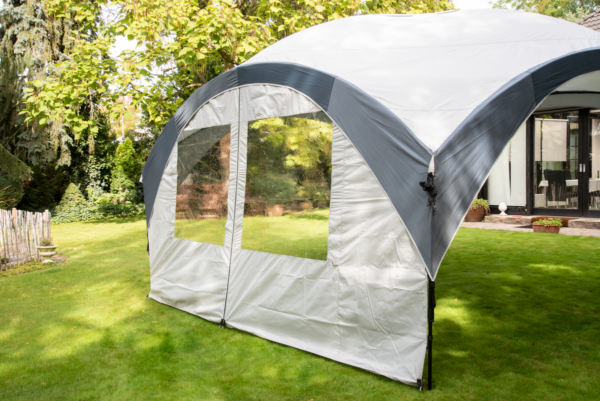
{"x": 430, "y": 318}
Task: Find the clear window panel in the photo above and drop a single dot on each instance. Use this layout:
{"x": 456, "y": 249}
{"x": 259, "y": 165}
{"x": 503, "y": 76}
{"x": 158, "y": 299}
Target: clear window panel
{"x": 593, "y": 170}
{"x": 288, "y": 186}
{"x": 556, "y": 182}
{"x": 202, "y": 185}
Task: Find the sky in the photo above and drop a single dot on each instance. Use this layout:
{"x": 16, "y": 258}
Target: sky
{"x": 471, "y": 4}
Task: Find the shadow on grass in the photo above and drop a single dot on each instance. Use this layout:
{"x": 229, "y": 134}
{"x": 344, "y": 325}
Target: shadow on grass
{"x": 516, "y": 324}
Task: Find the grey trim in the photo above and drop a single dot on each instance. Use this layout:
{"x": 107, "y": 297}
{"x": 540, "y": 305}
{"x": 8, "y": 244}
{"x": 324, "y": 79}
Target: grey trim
{"x": 562, "y": 100}
{"x": 159, "y": 156}
{"x": 395, "y": 155}
{"x": 313, "y": 83}
{"x": 550, "y": 75}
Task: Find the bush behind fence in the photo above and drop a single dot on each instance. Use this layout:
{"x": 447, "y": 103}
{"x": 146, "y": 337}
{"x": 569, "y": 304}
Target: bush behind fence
{"x": 95, "y": 211}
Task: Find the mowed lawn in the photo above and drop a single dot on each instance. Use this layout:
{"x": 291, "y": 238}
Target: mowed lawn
{"x": 301, "y": 234}
{"x": 518, "y": 317}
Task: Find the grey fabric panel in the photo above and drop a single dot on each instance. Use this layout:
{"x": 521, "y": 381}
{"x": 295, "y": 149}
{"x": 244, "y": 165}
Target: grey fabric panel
{"x": 159, "y": 156}
{"x": 313, "y": 83}
{"x": 463, "y": 164}
{"x": 549, "y": 76}
{"x": 564, "y": 100}
{"x": 398, "y": 159}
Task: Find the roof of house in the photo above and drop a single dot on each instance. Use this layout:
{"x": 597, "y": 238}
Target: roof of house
{"x": 591, "y": 21}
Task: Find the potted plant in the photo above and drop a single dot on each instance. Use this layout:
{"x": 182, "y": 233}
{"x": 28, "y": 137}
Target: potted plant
{"x": 47, "y": 249}
{"x": 478, "y": 209}
{"x": 547, "y": 226}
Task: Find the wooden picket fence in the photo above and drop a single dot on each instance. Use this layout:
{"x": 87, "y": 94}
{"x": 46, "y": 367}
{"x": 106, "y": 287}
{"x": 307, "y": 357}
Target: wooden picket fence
{"x": 20, "y": 234}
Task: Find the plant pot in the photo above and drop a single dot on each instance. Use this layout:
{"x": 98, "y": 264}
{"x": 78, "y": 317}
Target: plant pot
{"x": 552, "y": 229}
{"x": 474, "y": 215}
{"x": 539, "y": 229}
{"x": 46, "y": 252}
{"x": 274, "y": 210}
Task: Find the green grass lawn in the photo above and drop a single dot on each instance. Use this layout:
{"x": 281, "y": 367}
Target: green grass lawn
{"x": 302, "y": 234}
{"x": 518, "y": 318}
{"x": 209, "y": 231}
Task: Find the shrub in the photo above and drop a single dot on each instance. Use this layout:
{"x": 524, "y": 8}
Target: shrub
{"x": 481, "y": 204}
{"x": 123, "y": 186}
{"x": 549, "y": 222}
{"x": 72, "y": 198}
{"x": 11, "y": 191}
{"x": 46, "y": 241}
{"x": 96, "y": 211}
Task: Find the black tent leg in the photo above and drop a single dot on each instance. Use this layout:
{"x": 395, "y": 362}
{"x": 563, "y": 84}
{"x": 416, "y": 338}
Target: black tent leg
{"x": 430, "y": 318}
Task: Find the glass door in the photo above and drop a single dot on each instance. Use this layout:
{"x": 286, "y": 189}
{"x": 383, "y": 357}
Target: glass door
{"x": 556, "y": 163}
{"x": 593, "y": 163}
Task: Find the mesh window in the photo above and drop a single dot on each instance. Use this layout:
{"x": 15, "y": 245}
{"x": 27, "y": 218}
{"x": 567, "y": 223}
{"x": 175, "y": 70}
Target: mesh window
{"x": 288, "y": 186}
{"x": 202, "y": 185}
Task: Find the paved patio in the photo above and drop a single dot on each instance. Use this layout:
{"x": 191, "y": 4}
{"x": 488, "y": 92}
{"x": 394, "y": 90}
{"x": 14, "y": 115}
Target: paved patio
{"x": 585, "y": 232}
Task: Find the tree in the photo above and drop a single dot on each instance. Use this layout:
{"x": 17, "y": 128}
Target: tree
{"x": 289, "y": 157}
{"x": 31, "y": 42}
{"x": 571, "y": 10}
{"x": 182, "y": 44}
{"x": 72, "y": 198}
{"x": 127, "y": 170}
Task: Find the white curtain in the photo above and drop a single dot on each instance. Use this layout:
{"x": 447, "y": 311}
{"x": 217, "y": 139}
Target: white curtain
{"x": 518, "y": 173}
{"x": 506, "y": 182}
{"x": 595, "y": 150}
{"x": 499, "y": 180}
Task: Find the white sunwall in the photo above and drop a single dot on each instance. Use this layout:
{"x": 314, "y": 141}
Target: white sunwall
{"x": 366, "y": 305}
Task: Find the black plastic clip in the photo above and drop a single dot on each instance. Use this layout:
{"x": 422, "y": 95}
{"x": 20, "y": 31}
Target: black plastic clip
{"x": 420, "y": 384}
{"x": 429, "y": 187}
{"x": 222, "y": 325}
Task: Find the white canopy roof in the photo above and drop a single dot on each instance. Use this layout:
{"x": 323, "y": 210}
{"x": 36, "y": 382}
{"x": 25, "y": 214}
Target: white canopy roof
{"x": 432, "y": 70}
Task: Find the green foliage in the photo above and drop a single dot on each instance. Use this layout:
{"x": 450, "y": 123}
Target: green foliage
{"x": 72, "y": 198}
{"x": 571, "y": 10}
{"x": 126, "y": 171}
{"x": 175, "y": 54}
{"x": 46, "y": 241}
{"x": 273, "y": 186}
{"x": 13, "y": 174}
{"x": 127, "y": 160}
{"x": 11, "y": 191}
{"x": 123, "y": 185}
{"x": 32, "y": 42}
{"x": 479, "y": 204}
{"x": 291, "y": 158}
{"x": 5, "y": 197}
{"x": 96, "y": 211}
{"x": 550, "y": 222}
